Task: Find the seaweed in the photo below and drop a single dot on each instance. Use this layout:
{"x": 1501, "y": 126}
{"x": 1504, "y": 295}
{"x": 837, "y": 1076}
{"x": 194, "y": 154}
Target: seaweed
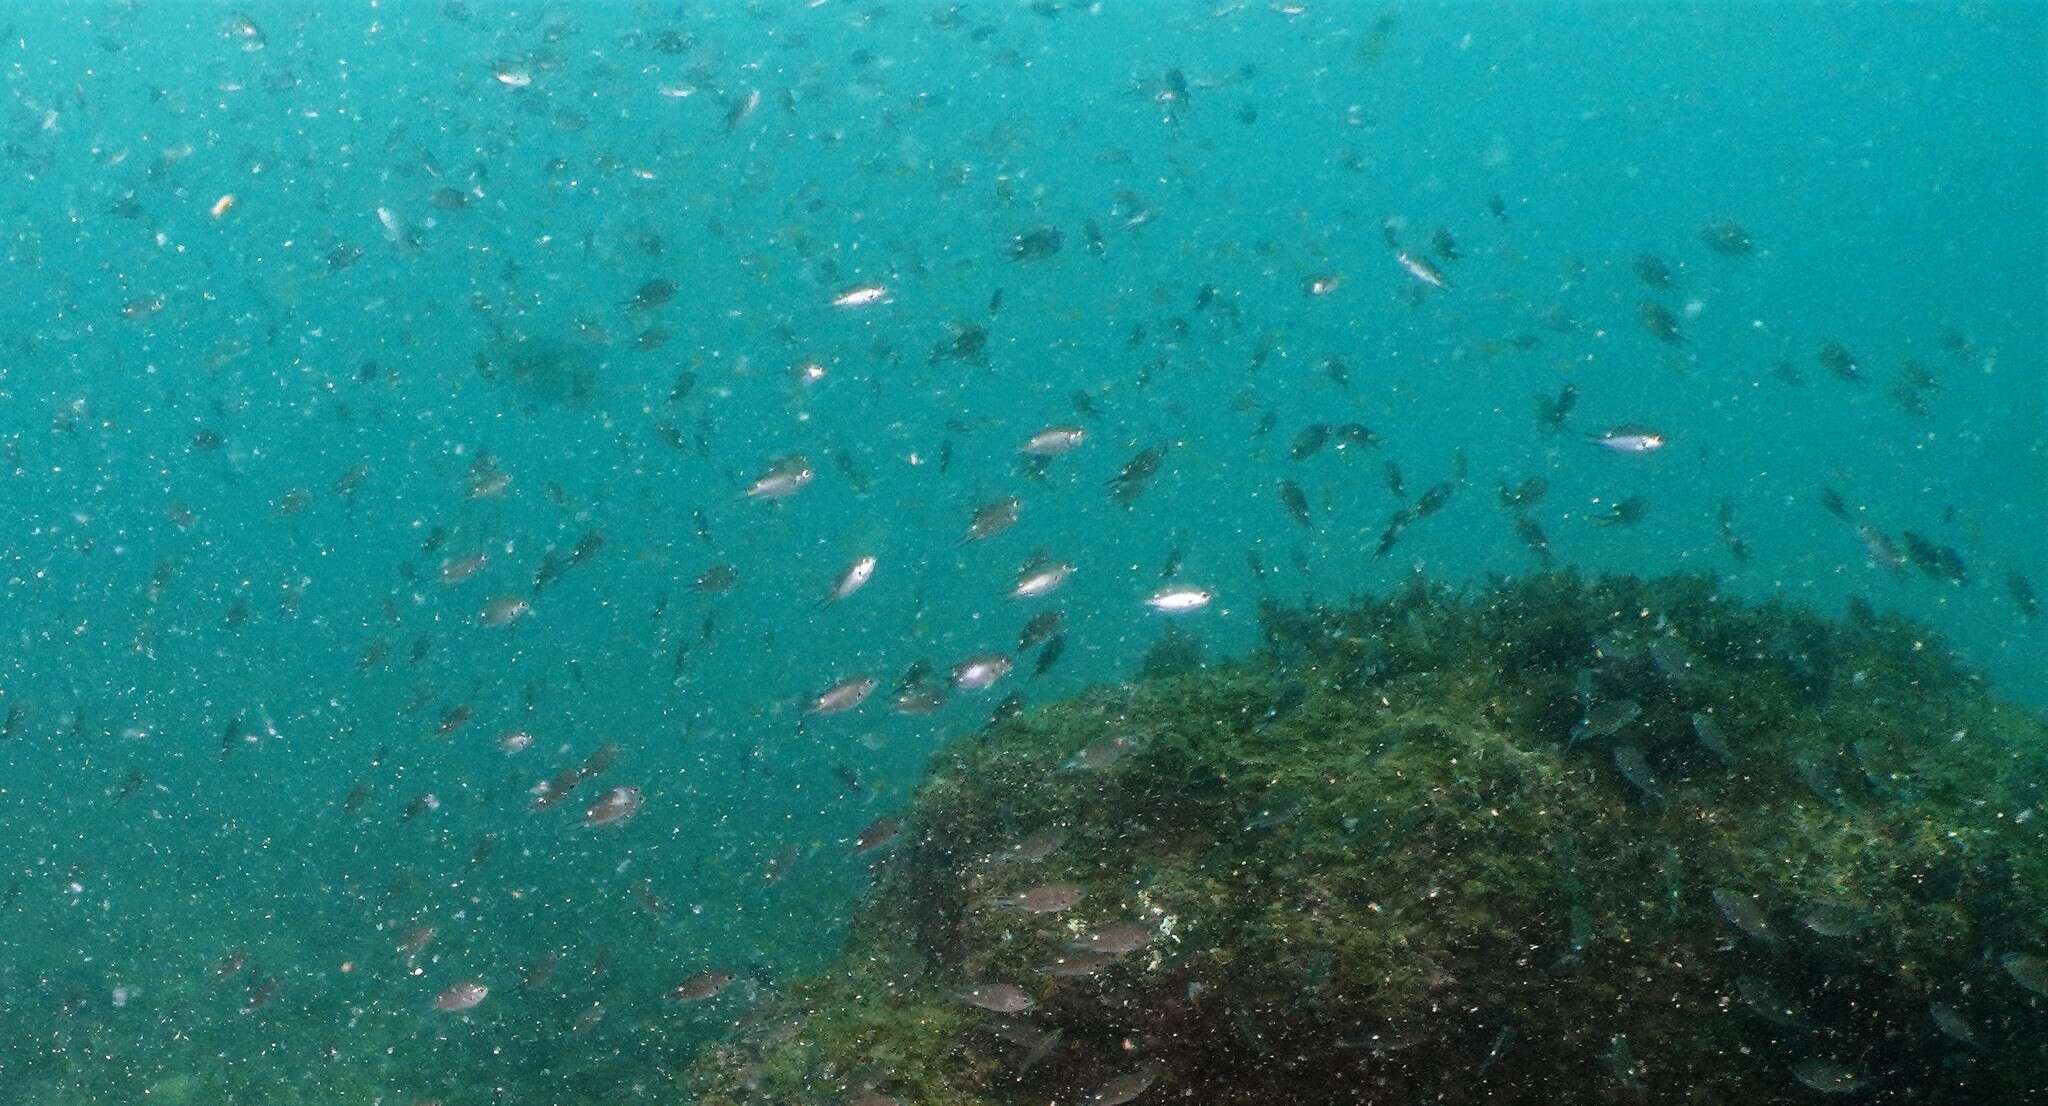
{"x": 1375, "y": 867}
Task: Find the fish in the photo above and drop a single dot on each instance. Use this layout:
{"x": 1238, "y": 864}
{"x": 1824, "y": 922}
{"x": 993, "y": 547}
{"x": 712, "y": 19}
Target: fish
{"x": 1136, "y": 475}
{"x": 1039, "y": 577}
{"x": 1036, "y": 244}
{"x": 1629, "y": 761}
{"x": 1605, "y": 719}
{"x": 1396, "y": 484}
{"x": 1101, "y": 753}
{"x": 1115, "y": 939}
{"x": 1419, "y": 267}
{"x": 996, "y": 998}
{"x": 716, "y": 580}
{"x": 1626, "y": 512}
{"x": 979, "y": 672}
{"x": 2022, "y": 591}
{"x": 1552, "y": 411}
{"x": 1051, "y": 898}
{"x": 1836, "y": 358}
{"x": 461, "y": 996}
{"x": 861, "y": 295}
{"x": 843, "y": 696}
{"x": 992, "y": 518}
{"x": 876, "y": 835}
{"x": 1629, "y": 439}
{"x": 1708, "y": 733}
{"x": 852, "y": 578}
{"x": 1179, "y": 599}
{"x": 702, "y": 986}
{"x": 1726, "y": 236}
{"x": 1651, "y": 270}
{"x": 1827, "y": 1077}
{"x": 1765, "y": 1002}
{"x": 1292, "y": 498}
{"x": 1128, "y": 1086}
{"x": 1834, "y": 920}
{"x": 784, "y": 477}
{"x": 1953, "y": 1025}
{"x": 1049, "y": 655}
{"x": 2027, "y": 970}
{"x": 1309, "y": 441}
{"x": 1661, "y": 323}
{"x": 613, "y": 807}
{"x": 504, "y": 610}
{"x": 1053, "y": 441}
{"x": 1742, "y": 912}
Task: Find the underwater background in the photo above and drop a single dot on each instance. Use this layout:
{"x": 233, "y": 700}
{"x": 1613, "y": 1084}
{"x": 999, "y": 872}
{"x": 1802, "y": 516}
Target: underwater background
{"x": 415, "y": 412}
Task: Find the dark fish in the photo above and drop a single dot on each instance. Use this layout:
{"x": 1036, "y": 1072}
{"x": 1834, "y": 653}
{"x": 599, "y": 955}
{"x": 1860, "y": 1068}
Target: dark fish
{"x": 704, "y": 985}
{"x": 1337, "y": 371}
{"x": 966, "y": 342}
{"x": 1049, "y": 655}
{"x": 1726, "y": 236}
{"x": 1551, "y": 412}
{"x": 1835, "y": 358}
{"x": 1445, "y": 246}
{"x": 1832, "y": 500}
{"x": 1395, "y": 483}
{"x": 1036, "y": 244}
{"x": 1626, "y": 512}
{"x": 2022, "y": 591}
{"x": 652, "y": 294}
{"x": 1742, "y": 912}
{"x": 684, "y": 383}
{"x": 1629, "y": 761}
{"x": 1355, "y": 434}
{"x": 1523, "y": 495}
{"x": 1434, "y": 498}
{"x": 1309, "y": 441}
{"x": 1661, "y": 323}
{"x": 1651, "y": 270}
{"x": 1392, "y": 534}
{"x": 992, "y": 518}
{"x": 1040, "y": 628}
{"x": 1296, "y": 503}
{"x": 1136, "y": 475}
{"x": 1531, "y": 533}
{"x": 878, "y": 834}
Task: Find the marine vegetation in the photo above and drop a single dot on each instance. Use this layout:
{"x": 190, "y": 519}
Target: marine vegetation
{"x": 1556, "y": 839}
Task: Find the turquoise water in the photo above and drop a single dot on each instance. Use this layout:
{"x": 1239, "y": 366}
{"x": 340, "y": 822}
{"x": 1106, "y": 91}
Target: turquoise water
{"x": 243, "y": 412}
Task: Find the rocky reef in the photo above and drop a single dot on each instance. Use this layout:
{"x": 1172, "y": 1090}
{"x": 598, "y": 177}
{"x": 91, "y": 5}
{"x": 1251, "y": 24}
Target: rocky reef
{"x": 1556, "y": 839}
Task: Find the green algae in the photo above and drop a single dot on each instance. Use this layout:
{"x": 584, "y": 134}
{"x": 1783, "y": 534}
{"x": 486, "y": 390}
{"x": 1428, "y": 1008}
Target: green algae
{"x": 1376, "y": 871}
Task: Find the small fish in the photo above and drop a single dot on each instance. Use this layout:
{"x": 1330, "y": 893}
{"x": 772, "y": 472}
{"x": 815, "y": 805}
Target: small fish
{"x": 1309, "y": 441}
{"x": 2027, "y": 970}
{"x": 613, "y": 807}
{"x": 980, "y": 672}
{"x": 992, "y": 518}
{"x": 1049, "y": 655}
{"x": 1834, "y": 920}
{"x": 1179, "y": 599}
{"x": 1629, "y": 439}
{"x": 1651, "y": 270}
{"x": 1292, "y": 498}
{"x": 877, "y": 835}
{"x": 1626, "y": 512}
{"x": 1551, "y": 411}
{"x": 716, "y": 579}
{"x": 1661, "y": 323}
{"x": 1953, "y": 1025}
{"x": 1136, "y": 474}
{"x": 1836, "y": 358}
{"x": 1726, "y": 236}
{"x": 1036, "y": 244}
{"x": 784, "y": 477}
{"x": 861, "y": 295}
{"x": 1827, "y": 1077}
{"x": 1763, "y": 1001}
{"x": 1127, "y": 1087}
{"x": 1117, "y": 939}
{"x": 1051, "y": 898}
{"x": 702, "y": 986}
{"x": 1053, "y": 441}
{"x": 1041, "y": 576}
{"x": 997, "y": 998}
{"x": 1101, "y": 753}
{"x": 1629, "y": 761}
{"x": 1396, "y": 484}
{"x": 2022, "y": 591}
{"x": 461, "y": 996}
{"x": 1742, "y": 912}
{"x": 843, "y": 696}
{"x": 852, "y": 578}
{"x": 504, "y": 610}
{"x": 1708, "y": 733}
{"x": 652, "y": 294}
{"x": 1605, "y": 719}
{"x": 1421, "y": 269}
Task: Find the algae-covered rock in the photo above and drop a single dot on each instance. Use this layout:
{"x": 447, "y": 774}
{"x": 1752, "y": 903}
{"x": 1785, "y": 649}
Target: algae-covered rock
{"x": 1560, "y": 840}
